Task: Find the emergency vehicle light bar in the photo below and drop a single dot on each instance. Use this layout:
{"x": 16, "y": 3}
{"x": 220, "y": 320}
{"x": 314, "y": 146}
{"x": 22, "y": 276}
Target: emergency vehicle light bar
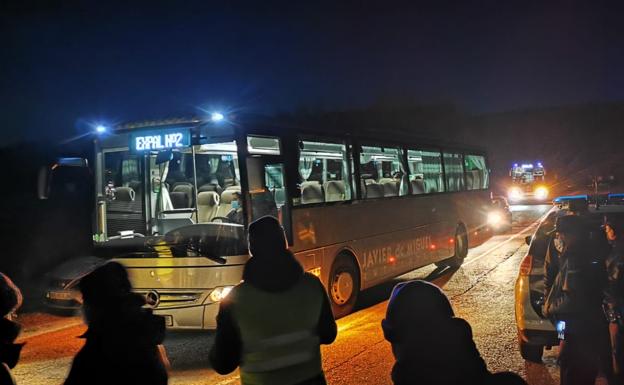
{"x": 565, "y": 198}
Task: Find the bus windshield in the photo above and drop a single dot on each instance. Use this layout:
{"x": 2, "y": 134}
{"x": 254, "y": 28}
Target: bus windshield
{"x": 154, "y": 193}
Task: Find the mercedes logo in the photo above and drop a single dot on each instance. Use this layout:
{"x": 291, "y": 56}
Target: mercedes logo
{"x": 152, "y": 299}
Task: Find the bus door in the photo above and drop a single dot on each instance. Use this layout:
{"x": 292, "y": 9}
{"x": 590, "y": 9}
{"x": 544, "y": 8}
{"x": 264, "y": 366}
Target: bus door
{"x": 266, "y": 180}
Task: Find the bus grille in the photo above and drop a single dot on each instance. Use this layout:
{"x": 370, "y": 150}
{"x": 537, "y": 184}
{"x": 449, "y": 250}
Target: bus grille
{"x": 176, "y": 299}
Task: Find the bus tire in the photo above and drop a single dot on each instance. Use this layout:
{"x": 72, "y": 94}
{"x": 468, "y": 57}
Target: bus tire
{"x": 461, "y": 248}
{"x": 344, "y": 285}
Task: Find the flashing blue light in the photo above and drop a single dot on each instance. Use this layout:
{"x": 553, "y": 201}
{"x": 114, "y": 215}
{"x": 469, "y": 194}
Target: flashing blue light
{"x": 515, "y": 164}
{"x": 539, "y": 164}
{"x": 570, "y": 198}
{"x": 530, "y": 165}
{"x": 615, "y": 196}
{"x": 216, "y": 117}
{"x": 100, "y": 129}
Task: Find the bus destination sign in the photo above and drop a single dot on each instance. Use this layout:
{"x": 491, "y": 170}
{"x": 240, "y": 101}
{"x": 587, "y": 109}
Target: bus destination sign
{"x": 160, "y": 139}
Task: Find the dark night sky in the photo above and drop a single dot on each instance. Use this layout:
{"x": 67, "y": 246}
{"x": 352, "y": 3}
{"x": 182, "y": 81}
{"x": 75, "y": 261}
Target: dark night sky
{"x": 64, "y": 66}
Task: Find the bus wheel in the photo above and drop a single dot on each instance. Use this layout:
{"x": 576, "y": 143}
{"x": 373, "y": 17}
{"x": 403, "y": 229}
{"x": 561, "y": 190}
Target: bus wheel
{"x": 344, "y": 285}
{"x": 461, "y": 248}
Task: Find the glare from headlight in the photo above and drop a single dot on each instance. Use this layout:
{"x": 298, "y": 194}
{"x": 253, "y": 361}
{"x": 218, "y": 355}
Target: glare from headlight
{"x": 494, "y": 219}
{"x": 218, "y": 294}
{"x": 515, "y": 193}
{"x": 541, "y": 192}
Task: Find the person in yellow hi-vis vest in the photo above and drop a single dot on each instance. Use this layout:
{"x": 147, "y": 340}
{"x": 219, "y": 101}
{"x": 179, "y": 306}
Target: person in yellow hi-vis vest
{"x": 272, "y": 324}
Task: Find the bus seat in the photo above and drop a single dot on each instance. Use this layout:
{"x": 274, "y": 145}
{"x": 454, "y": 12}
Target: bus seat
{"x": 234, "y": 187}
{"x": 227, "y": 182}
{"x": 134, "y": 184}
{"x": 312, "y": 193}
{"x": 374, "y": 190}
{"x": 207, "y": 206}
{"x": 179, "y": 200}
{"x": 334, "y": 191}
{"x": 210, "y": 187}
{"x": 124, "y": 194}
{"x": 309, "y": 182}
{"x": 225, "y": 203}
{"x": 476, "y": 179}
{"x": 263, "y": 203}
{"x": 186, "y": 188}
{"x": 390, "y": 188}
{"x": 469, "y": 180}
{"x": 418, "y": 186}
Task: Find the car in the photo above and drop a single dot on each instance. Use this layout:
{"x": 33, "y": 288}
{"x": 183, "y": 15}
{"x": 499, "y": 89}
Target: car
{"x": 62, "y": 291}
{"x": 499, "y": 217}
{"x": 520, "y": 193}
{"x": 535, "y": 332}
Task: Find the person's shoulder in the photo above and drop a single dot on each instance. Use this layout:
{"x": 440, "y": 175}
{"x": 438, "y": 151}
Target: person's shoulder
{"x": 460, "y": 327}
{"x": 311, "y": 279}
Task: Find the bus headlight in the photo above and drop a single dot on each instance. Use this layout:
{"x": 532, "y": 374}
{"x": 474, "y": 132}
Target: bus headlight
{"x": 515, "y": 193}
{"x": 541, "y": 192}
{"x": 494, "y": 219}
{"x": 219, "y": 293}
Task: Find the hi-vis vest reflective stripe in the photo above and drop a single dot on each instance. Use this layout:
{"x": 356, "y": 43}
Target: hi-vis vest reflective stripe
{"x": 279, "y": 332}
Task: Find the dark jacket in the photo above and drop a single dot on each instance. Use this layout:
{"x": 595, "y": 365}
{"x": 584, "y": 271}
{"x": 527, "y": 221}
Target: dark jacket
{"x": 277, "y": 274}
{"x": 614, "y": 293}
{"x": 9, "y": 351}
{"x": 439, "y": 354}
{"x": 121, "y": 346}
{"x": 576, "y": 294}
{"x": 551, "y": 267}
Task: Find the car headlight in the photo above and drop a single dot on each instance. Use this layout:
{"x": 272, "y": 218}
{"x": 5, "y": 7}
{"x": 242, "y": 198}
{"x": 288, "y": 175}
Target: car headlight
{"x": 541, "y": 192}
{"x": 494, "y": 218}
{"x": 515, "y": 193}
{"x": 219, "y": 293}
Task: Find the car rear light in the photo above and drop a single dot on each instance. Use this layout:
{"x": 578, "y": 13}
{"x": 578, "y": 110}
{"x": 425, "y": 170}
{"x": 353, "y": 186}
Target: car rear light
{"x": 526, "y": 264}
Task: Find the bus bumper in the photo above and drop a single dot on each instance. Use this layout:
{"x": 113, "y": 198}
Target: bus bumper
{"x": 201, "y": 317}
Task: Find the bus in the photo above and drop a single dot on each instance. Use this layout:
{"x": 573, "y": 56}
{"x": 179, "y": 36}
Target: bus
{"x": 358, "y": 208}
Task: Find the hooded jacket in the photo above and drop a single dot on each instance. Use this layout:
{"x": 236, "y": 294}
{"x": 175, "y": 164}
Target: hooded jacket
{"x": 121, "y": 346}
{"x": 9, "y": 351}
{"x": 264, "y": 275}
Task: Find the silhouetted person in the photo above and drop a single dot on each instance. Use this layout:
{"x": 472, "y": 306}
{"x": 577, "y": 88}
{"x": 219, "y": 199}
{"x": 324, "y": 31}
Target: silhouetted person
{"x": 505, "y": 378}
{"x": 10, "y": 301}
{"x": 122, "y": 339}
{"x": 431, "y": 346}
{"x": 272, "y": 324}
{"x": 575, "y": 300}
{"x": 614, "y": 293}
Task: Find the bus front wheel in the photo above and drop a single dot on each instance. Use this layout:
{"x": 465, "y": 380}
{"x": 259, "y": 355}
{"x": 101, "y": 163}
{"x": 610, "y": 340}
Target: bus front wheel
{"x": 344, "y": 285}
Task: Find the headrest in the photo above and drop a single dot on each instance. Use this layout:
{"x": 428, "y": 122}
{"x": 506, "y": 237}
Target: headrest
{"x": 179, "y": 199}
{"x": 227, "y": 196}
{"x": 374, "y": 190}
{"x": 335, "y": 186}
{"x": 312, "y": 193}
{"x": 208, "y": 198}
{"x": 125, "y": 194}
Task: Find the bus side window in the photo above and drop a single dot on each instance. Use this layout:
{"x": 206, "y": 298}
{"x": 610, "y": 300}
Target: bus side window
{"x": 477, "y": 176}
{"x": 323, "y": 172}
{"x": 382, "y": 172}
{"x": 425, "y": 171}
{"x": 454, "y": 171}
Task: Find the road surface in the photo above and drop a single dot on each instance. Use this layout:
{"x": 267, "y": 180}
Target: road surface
{"x": 481, "y": 292}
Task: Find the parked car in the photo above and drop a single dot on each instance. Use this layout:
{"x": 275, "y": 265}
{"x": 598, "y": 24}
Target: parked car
{"x": 62, "y": 283}
{"x": 535, "y": 332}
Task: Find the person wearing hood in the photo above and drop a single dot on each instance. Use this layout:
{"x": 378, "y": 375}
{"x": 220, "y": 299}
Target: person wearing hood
{"x": 614, "y": 292}
{"x": 271, "y": 325}
{"x": 123, "y": 339}
{"x": 10, "y": 301}
{"x": 431, "y": 346}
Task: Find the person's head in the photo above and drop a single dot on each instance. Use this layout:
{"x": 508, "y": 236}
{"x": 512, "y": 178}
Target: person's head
{"x": 613, "y": 227}
{"x": 10, "y": 296}
{"x": 415, "y": 304}
{"x": 105, "y": 286}
{"x": 571, "y": 229}
{"x": 236, "y": 201}
{"x": 266, "y": 237}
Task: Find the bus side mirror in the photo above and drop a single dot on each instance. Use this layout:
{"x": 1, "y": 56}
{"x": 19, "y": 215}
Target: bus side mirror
{"x": 47, "y": 175}
{"x": 43, "y": 182}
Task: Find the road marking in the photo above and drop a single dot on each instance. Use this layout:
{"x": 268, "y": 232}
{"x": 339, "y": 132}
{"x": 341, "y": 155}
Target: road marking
{"x": 529, "y": 227}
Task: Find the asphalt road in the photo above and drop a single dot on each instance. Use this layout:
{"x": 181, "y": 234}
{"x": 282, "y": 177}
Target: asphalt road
{"x": 481, "y": 292}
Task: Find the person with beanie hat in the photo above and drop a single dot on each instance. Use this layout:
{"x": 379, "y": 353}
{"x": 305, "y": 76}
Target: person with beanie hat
{"x": 431, "y": 346}
{"x": 123, "y": 339}
{"x": 10, "y": 302}
{"x": 272, "y": 324}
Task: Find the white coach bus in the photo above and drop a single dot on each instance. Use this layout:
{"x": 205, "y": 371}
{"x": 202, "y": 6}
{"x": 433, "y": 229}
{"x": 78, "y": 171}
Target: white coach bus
{"x": 358, "y": 208}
